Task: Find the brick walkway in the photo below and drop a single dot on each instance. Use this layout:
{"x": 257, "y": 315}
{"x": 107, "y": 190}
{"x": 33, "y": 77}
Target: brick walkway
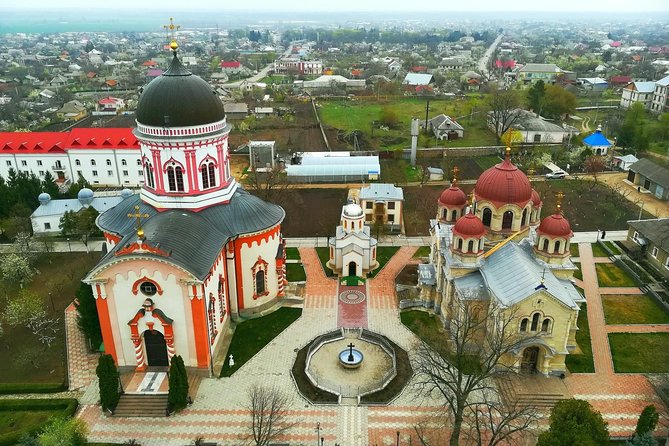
{"x": 381, "y": 289}
{"x": 619, "y": 397}
{"x": 352, "y": 307}
{"x": 80, "y": 364}
{"x": 321, "y": 291}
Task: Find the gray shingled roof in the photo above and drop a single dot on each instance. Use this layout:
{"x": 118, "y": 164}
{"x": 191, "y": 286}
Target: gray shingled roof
{"x": 512, "y": 275}
{"x": 652, "y": 171}
{"x": 656, "y": 230}
{"x": 192, "y": 240}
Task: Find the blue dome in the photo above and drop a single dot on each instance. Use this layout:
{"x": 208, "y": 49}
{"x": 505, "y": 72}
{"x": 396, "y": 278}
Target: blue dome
{"x": 125, "y": 193}
{"x": 85, "y": 196}
{"x": 44, "y": 198}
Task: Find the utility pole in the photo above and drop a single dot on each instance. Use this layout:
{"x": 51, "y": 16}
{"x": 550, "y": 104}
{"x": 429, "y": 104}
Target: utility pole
{"x": 427, "y": 113}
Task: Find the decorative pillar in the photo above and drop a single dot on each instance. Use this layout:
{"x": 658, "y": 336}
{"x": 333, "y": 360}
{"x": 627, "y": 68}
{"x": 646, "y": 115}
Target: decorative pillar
{"x": 169, "y": 341}
{"x": 105, "y": 321}
{"x": 199, "y": 326}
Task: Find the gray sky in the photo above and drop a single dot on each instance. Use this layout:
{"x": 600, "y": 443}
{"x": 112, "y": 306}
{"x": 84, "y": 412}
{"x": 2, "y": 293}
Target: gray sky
{"x": 609, "y": 6}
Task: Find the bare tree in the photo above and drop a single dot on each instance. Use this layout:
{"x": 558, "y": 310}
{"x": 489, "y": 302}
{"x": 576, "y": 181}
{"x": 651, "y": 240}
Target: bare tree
{"x": 479, "y": 348}
{"x": 269, "y": 414}
{"x": 501, "y": 106}
{"x": 268, "y": 184}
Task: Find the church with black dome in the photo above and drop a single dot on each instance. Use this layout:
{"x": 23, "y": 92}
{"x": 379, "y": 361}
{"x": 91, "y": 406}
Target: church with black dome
{"x": 192, "y": 251}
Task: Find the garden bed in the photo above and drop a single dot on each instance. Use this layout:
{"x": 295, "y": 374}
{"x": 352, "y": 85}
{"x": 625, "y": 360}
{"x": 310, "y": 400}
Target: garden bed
{"x": 383, "y": 256}
{"x": 295, "y": 272}
{"x": 292, "y": 254}
{"x": 598, "y": 250}
{"x": 324, "y": 257}
{"x": 28, "y": 416}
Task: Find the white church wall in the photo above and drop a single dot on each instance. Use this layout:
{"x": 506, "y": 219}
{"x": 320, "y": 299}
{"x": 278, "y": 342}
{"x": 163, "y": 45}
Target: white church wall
{"x": 211, "y": 288}
{"x": 174, "y": 302}
{"x": 352, "y": 257}
{"x": 266, "y": 249}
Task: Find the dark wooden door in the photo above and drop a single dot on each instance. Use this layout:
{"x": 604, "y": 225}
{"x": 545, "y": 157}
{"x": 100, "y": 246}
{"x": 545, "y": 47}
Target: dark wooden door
{"x": 530, "y": 357}
{"x": 352, "y": 269}
{"x": 156, "y": 349}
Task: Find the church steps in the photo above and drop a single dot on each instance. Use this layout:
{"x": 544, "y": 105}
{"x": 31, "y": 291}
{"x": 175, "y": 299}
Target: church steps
{"x": 139, "y": 405}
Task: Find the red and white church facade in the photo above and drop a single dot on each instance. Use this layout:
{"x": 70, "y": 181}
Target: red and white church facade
{"x": 193, "y": 250}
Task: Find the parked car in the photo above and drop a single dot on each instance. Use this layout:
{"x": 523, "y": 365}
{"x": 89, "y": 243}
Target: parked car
{"x": 558, "y": 174}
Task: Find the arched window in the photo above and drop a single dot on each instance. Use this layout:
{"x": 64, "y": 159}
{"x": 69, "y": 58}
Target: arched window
{"x": 179, "y": 173}
{"x": 556, "y": 248}
{"x": 221, "y": 298}
{"x": 524, "y": 218}
{"x": 507, "y": 220}
{"x": 211, "y": 313}
{"x": 175, "y": 179}
{"x": 454, "y": 214}
{"x": 487, "y": 217}
{"x": 470, "y": 246}
{"x": 545, "y": 248}
{"x": 523, "y": 324}
{"x": 445, "y": 214}
{"x": 212, "y": 175}
{"x": 535, "y": 322}
{"x": 205, "y": 176}
{"x": 260, "y": 282}
{"x": 148, "y": 175}
{"x": 546, "y": 325}
{"x": 208, "y": 174}
{"x": 460, "y": 244}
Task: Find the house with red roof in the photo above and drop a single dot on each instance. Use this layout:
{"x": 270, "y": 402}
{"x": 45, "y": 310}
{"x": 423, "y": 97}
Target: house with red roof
{"x": 230, "y": 66}
{"x": 110, "y": 105}
{"x": 103, "y": 156}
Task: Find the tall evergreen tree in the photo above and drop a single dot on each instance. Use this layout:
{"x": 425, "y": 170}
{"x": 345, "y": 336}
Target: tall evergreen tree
{"x": 108, "y": 380}
{"x": 87, "y": 315}
{"x": 178, "y": 392}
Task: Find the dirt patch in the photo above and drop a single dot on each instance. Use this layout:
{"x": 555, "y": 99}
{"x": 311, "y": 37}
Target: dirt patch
{"x": 311, "y": 212}
{"x": 408, "y": 276}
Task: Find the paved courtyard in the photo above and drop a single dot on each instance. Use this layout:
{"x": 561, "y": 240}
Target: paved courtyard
{"x": 219, "y": 412}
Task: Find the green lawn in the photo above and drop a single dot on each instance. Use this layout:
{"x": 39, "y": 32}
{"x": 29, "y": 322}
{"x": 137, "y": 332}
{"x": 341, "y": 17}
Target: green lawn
{"x": 383, "y": 255}
{"x": 613, "y": 246}
{"x": 424, "y": 325}
{"x": 578, "y": 274}
{"x": 633, "y": 309}
{"x": 611, "y": 275}
{"x": 640, "y": 352}
{"x": 598, "y": 250}
{"x": 573, "y": 249}
{"x": 423, "y": 251}
{"x": 582, "y": 363}
{"x": 252, "y": 335}
{"x": 295, "y": 272}
{"x": 28, "y": 416}
{"x": 292, "y": 254}
{"x": 358, "y": 115}
{"x": 324, "y": 257}
{"x": 486, "y": 162}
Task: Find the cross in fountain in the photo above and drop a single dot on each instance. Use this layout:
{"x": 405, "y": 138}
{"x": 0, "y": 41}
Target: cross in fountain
{"x": 350, "y": 352}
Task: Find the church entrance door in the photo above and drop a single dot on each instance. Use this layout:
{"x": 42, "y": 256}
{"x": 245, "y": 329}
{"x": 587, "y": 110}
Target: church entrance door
{"x": 352, "y": 269}
{"x": 529, "y": 361}
{"x": 156, "y": 348}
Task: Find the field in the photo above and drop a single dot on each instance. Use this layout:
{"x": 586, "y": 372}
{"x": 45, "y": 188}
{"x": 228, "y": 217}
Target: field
{"x": 31, "y": 360}
{"x": 611, "y": 275}
{"x": 347, "y": 115}
{"x": 633, "y": 309}
{"x": 324, "y": 205}
{"x": 640, "y": 352}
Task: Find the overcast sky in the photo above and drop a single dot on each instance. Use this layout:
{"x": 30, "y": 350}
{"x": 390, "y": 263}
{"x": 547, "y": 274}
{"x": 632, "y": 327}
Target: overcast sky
{"x": 609, "y": 6}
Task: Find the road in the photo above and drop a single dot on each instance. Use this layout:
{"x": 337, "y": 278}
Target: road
{"x": 262, "y": 73}
{"x": 482, "y": 64}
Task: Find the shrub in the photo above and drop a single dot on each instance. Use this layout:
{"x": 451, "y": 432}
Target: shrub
{"x": 87, "y": 315}
{"x": 647, "y": 420}
{"x": 178, "y": 392}
{"x": 108, "y": 381}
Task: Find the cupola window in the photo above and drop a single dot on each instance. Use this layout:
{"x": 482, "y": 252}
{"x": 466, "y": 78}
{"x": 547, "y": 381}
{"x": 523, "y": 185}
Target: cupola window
{"x": 208, "y": 174}
{"x": 175, "y": 178}
{"x": 148, "y": 174}
{"x": 487, "y": 217}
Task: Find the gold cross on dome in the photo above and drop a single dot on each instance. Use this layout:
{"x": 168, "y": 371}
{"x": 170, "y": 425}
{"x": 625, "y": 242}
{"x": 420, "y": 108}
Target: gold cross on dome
{"x": 559, "y": 196}
{"x": 171, "y": 30}
{"x": 456, "y": 169}
{"x": 138, "y": 216}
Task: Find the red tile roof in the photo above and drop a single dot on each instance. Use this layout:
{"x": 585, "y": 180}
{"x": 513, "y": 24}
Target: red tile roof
{"x": 149, "y": 63}
{"x": 230, "y": 64}
{"x": 60, "y": 142}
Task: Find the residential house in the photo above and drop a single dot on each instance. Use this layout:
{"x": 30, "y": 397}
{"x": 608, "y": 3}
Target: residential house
{"x": 58, "y": 81}
{"x": 231, "y": 67}
{"x": 383, "y": 204}
{"x": 619, "y": 81}
{"x": 110, "y": 105}
{"x": 332, "y": 82}
{"x": 647, "y": 175}
{"x": 71, "y": 111}
{"x": 533, "y": 72}
{"x": 443, "y": 127}
{"x": 637, "y": 92}
{"x": 236, "y": 110}
{"x": 652, "y": 236}
{"x": 297, "y": 66}
{"x": 451, "y": 64}
{"x": 624, "y": 162}
{"x": 532, "y": 128}
{"x": 659, "y": 103}
{"x": 262, "y": 112}
{"x": 593, "y": 83}
{"x": 416, "y": 79}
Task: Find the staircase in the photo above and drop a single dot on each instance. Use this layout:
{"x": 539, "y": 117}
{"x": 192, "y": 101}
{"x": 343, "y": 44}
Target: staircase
{"x": 141, "y": 405}
{"x": 532, "y": 391}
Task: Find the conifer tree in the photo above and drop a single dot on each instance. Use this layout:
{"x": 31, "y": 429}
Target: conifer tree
{"x": 108, "y": 378}
{"x": 178, "y": 381}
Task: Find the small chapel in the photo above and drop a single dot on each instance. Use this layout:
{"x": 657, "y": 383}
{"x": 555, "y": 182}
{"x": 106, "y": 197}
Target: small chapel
{"x": 353, "y": 249}
{"x": 494, "y": 250}
{"x": 192, "y": 251}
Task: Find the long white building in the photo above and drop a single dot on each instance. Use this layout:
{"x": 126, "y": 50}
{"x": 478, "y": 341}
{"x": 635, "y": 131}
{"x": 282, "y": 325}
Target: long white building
{"x": 103, "y": 156}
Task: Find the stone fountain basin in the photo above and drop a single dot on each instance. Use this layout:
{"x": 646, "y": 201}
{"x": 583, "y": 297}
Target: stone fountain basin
{"x": 349, "y": 362}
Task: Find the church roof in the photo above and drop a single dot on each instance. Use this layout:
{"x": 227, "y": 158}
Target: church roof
{"x": 512, "y": 275}
{"x": 191, "y": 240}
{"x": 597, "y": 139}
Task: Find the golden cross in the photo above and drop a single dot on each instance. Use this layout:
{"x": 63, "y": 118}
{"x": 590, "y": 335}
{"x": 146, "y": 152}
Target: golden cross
{"x": 455, "y": 174}
{"x": 139, "y": 216}
{"x": 171, "y": 29}
{"x": 559, "y": 196}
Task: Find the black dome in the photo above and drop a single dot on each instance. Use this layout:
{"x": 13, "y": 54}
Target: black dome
{"x": 178, "y": 98}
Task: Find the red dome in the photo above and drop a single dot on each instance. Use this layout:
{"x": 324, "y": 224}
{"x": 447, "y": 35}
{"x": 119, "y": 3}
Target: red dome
{"x": 555, "y": 226}
{"x": 504, "y": 184}
{"x": 453, "y": 196}
{"x": 469, "y": 225}
{"x": 536, "y": 199}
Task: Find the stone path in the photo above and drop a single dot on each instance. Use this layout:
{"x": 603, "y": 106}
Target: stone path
{"x": 321, "y": 291}
{"x": 80, "y": 364}
{"x": 381, "y": 289}
{"x": 352, "y": 307}
{"x": 619, "y": 397}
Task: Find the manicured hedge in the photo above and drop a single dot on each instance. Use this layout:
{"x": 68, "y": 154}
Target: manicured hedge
{"x": 65, "y": 407}
{"x": 10, "y": 388}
